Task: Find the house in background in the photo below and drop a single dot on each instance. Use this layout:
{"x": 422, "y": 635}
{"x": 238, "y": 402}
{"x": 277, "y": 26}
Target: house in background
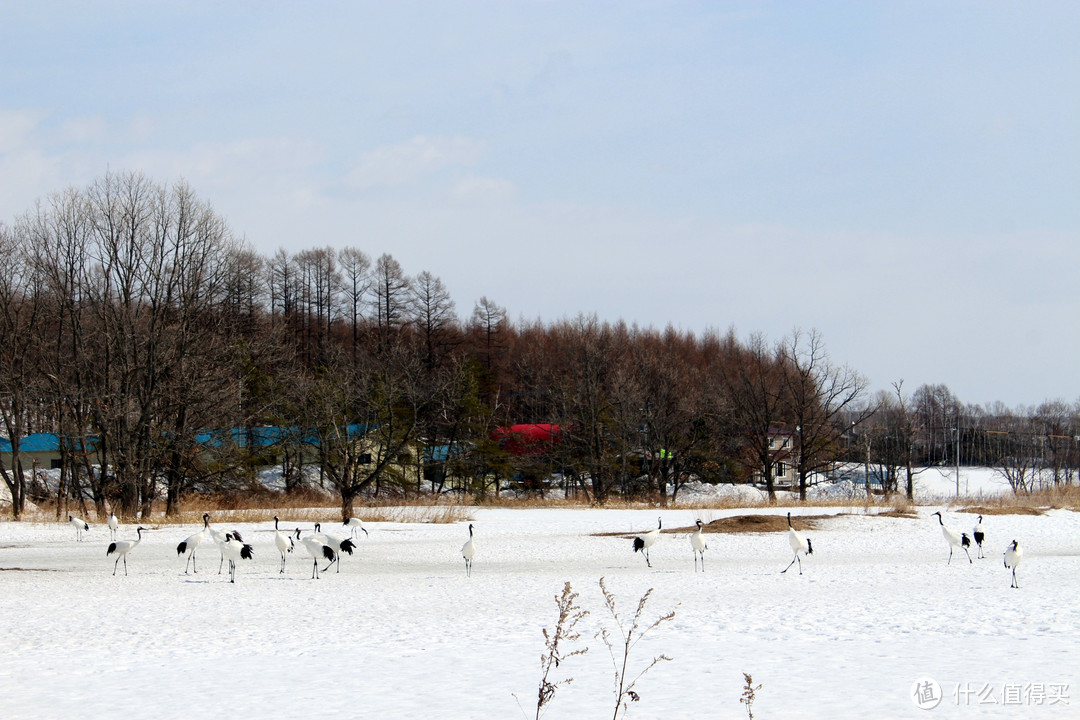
{"x": 41, "y": 450}
{"x": 785, "y": 459}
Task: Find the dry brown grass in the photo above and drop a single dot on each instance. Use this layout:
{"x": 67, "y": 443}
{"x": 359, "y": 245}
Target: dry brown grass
{"x": 739, "y": 524}
{"x": 1034, "y": 503}
{"x": 1002, "y": 510}
{"x": 428, "y": 514}
{"x": 902, "y": 514}
{"x": 303, "y": 507}
{"x": 311, "y": 506}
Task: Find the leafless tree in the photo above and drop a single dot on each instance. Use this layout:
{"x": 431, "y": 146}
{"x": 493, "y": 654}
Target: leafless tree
{"x": 753, "y": 382}
{"x": 433, "y": 315}
{"x": 21, "y": 309}
{"x": 355, "y": 286}
{"x": 391, "y": 288}
{"x": 819, "y": 394}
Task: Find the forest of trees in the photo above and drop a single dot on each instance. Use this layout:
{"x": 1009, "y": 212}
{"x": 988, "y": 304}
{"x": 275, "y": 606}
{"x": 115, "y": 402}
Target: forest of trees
{"x": 131, "y": 320}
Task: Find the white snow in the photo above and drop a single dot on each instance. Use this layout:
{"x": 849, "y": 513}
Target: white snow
{"x": 401, "y": 632}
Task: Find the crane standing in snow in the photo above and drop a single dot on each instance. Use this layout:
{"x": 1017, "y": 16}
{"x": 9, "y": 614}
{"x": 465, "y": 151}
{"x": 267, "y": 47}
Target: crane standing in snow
{"x": 284, "y": 543}
{"x": 468, "y": 551}
{"x": 219, "y": 538}
{"x": 316, "y": 548}
{"x": 113, "y": 524}
{"x": 235, "y": 550}
{"x": 191, "y": 544}
{"x": 799, "y": 544}
{"x": 979, "y": 536}
{"x": 954, "y": 539}
{"x": 697, "y": 542}
{"x": 1013, "y": 555}
{"x": 355, "y": 524}
{"x": 122, "y": 548}
{"x": 340, "y": 545}
{"x": 646, "y": 540}
{"x": 80, "y": 526}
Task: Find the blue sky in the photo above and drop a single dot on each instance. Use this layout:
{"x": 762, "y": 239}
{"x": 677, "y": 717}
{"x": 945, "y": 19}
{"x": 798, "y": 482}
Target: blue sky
{"x": 903, "y": 177}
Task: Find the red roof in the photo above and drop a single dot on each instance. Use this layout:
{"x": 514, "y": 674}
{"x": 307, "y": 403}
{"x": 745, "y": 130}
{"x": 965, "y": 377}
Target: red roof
{"x": 527, "y": 439}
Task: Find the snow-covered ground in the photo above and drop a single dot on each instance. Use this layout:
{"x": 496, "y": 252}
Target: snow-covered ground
{"x": 401, "y": 632}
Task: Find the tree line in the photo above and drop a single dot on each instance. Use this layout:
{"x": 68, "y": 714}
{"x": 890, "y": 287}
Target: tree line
{"x": 133, "y": 321}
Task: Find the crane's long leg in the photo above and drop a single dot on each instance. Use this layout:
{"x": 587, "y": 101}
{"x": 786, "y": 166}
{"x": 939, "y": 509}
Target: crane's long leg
{"x": 115, "y": 565}
{"x": 950, "y": 556}
{"x": 968, "y": 554}
{"x": 125, "y": 564}
{"x": 792, "y": 563}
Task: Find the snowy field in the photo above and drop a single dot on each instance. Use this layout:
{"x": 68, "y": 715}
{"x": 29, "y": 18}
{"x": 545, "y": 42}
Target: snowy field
{"x": 401, "y": 632}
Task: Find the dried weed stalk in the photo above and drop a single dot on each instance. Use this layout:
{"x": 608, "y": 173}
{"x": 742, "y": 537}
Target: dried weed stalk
{"x": 620, "y": 645}
{"x": 748, "y": 695}
{"x": 565, "y": 633}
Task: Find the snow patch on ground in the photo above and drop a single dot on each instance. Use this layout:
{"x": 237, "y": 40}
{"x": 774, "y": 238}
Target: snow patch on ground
{"x": 401, "y": 632}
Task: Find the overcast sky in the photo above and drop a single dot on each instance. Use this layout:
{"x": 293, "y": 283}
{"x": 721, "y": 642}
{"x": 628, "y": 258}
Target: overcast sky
{"x": 903, "y": 177}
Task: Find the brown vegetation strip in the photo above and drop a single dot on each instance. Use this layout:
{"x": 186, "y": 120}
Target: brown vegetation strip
{"x": 1003, "y": 510}
{"x": 902, "y": 514}
{"x": 739, "y": 524}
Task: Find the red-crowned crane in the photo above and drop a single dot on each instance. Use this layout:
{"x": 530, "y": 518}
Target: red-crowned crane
{"x": 697, "y": 542}
{"x": 113, "y": 524}
{"x": 355, "y": 523}
{"x": 80, "y": 526}
{"x": 284, "y": 543}
{"x": 122, "y": 548}
{"x": 191, "y": 544}
{"x": 316, "y": 548}
{"x": 646, "y": 540}
{"x": 219, "y": 539}
{"x": 1013, "y": 555}
{"x": 799, "y": 544}
{"x": 235, "y": 550}
{"x": 979, "y": 536}
{"x": 954, "y": 539}
{"x": 468, "y": 551}
{"x": 340, "y": 545}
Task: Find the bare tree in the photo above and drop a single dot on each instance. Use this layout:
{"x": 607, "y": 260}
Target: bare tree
{"x": 676, "y": 419}
{"x": 753, "y": 381}
{"x": 21, "y": 308}
{"x": 491, "y": 322}
{"x": 433, "y": 315}
{"x": 391, "y": 287}
{"x": 820, "y": 394}
{"x": 355, "y": 286}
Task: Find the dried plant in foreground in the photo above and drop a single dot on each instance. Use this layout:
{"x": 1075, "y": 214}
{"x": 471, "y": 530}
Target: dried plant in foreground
{"x": 570, "y": 614}
{"x": 619, "y": 646}
{"x": 748, "y": 695}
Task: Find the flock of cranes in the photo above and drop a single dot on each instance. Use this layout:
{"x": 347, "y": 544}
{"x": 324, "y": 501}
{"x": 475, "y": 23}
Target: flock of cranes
{"x": 321, "y": 546}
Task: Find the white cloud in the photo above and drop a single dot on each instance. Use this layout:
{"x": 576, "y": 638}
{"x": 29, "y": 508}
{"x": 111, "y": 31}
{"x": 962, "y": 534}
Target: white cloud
{"x": 484, "y": 189}
{"x": 16, "y": 127}
{"x": 83, "y": 129}
{"x": 407, "y": 162}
